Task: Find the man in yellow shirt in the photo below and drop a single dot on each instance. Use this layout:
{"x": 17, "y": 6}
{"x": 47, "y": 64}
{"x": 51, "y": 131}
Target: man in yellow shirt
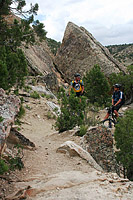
{"x": 77, "y": 85}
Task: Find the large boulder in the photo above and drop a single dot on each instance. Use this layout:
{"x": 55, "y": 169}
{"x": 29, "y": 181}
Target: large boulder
{"x": 80, "y": 51}
{"x": 9, "y": 107}
{"x": 39, "y": 58}
{"x": 98, "y": 141}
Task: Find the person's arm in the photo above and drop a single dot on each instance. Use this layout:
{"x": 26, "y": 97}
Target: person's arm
{"x": 120, "y": 99}
{"x": 112, "y": 101}
{"x": 82, "y": 89}
{"x": 118, "y": 102}
{"x": 70, "y": 89}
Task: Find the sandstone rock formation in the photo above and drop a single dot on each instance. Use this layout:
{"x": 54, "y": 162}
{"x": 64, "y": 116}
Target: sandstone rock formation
{"x": 80, "y": 51}
{"x": 75, "y": 150}
{"x": 98, "y": 141}
{"x": 74, "y": 185}
{"x": 39, "y": 58}
{"x": 9, "y": 107}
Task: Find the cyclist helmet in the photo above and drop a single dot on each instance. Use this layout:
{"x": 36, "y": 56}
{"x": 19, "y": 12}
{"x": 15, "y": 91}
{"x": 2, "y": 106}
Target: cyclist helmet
{"x": 117, "y": 85}
{"x": 77, "y": 75}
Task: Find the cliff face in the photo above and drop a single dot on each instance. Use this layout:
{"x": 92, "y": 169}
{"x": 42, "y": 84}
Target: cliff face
{"x": 80, "y": 51}
{"x": 39, "y": 57}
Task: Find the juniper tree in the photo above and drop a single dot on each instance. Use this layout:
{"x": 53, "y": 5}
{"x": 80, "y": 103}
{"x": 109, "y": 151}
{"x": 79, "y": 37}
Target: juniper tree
{"x": 14, "y": 33}
{"x": 124, "y": 142}
{"x": 96, "y": 86}
{"x": 72, "y": 111}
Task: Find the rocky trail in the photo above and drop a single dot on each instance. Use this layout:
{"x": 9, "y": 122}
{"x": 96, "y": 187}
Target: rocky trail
{"x": 50, "y": 175}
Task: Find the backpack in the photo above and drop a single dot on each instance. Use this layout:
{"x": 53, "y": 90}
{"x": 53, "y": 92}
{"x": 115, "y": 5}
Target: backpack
{"x": 74, "y": 84}
{"x": 123, "y": 98}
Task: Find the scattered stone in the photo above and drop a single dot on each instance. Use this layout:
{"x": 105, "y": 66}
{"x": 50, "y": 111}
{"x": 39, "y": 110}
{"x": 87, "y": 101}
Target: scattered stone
{"x": 54, "y": 108}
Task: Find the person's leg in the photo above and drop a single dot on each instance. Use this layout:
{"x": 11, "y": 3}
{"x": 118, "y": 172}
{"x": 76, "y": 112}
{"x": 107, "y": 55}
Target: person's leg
{"x": 106, "y": 116}
{"x": 108, "y": 113}
{"x": 116, "y": 113}
{"x": 116, "y": 108}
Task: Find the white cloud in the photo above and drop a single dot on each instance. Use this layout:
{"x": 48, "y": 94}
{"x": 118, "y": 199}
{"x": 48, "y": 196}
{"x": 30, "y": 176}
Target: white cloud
{"x": 110, "y": 21}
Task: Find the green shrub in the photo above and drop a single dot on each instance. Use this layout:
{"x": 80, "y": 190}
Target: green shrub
{"x": 96, "y": 86}
{"x": 1, "y": 119}
{"x": 48, "y": 96}
{"x": 28, "y": 107}
{"x": 43, "y": 95}
{"x": 35, "y": 95}
{"x": 16, "y": 161}
{"x": 33, "y": 82}
{"x": 49, "y": 115}
{"x": 27, "y": 88}
{"x": 124, "y": 142}
{"x": 3, "y": 167}
{"x": 72, "y": 111}
{"x": 82, "y": 131}
{"x": 21, "y": 112}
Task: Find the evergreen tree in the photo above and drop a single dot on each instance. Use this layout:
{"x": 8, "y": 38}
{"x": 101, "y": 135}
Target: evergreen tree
{"x": 96, "y": 86}
{"x": 72, "y": 111}
{"x": 124, "y": 142}
{"x": 13, "y": 34}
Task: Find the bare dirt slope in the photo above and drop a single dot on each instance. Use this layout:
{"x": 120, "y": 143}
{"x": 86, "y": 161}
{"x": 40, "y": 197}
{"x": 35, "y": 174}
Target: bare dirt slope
{"x": 49, "y": 175}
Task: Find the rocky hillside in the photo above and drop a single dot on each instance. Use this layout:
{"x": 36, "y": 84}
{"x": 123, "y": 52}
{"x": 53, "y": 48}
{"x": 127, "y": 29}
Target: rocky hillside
{"x": 61, "y": 166}
{"x": 123, "y": 53}
{"x": 80, "y": 51}
{"x": 39, "y": 56}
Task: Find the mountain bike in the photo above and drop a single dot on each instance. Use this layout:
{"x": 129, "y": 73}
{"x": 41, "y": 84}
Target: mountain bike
{"x": 112, "y": 120}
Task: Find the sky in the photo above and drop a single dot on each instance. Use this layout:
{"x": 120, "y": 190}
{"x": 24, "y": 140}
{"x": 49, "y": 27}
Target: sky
{"x": 109, "y": 21}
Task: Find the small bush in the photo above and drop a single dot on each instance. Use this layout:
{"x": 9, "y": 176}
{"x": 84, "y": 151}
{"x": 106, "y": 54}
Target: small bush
{"x": 82, "y": 131}
{"x": 16, "y": 92}
{"x": 3, "y": 167}
{"x": 49, "y": 115}
{"x": 1, "y": 119}
{"x": 28, "y": 107}
{"x": 18, "y": 122}
{"x": 16, "y": 161}
{"x": 43, "y": 95}
{"x": 33, "y": 82}
{"x": 27, "y": 88}
{"x": 48, "y": 96}
{"x": 35, "y": 95}
{"x": 21, "y": 112}
{"x": 72, "y": 111}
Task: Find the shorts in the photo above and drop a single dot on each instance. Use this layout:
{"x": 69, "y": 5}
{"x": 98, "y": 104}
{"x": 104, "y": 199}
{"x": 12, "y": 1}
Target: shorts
{"x": 78, "y": 94}
{"x": 115, "y": 108}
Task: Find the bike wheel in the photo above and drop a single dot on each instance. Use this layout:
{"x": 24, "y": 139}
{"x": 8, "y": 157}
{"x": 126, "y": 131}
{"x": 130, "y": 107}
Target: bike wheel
{"x": 107, "y": 123}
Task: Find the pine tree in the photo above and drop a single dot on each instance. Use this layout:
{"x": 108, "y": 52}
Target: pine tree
{"x": 124, "y": 142}
{"x": 13, "y": 34}
{"x": 96, "y": 86}
{"x": 72, "y": 111}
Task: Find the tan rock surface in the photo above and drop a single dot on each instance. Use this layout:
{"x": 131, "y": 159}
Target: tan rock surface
{"x": 49, "y": 175}
{"x": 80, "y": 51}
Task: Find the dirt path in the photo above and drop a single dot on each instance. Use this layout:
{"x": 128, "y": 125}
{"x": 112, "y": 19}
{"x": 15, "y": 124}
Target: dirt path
{"x": 52, "y": 175}
{"x": 39, "y": 129}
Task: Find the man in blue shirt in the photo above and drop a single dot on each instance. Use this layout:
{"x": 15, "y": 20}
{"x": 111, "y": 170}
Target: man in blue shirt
{"x": 117, "y": 101}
